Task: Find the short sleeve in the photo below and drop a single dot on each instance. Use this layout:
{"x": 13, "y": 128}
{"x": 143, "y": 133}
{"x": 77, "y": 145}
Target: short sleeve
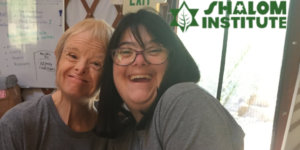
{"x": 188, "y": 118}
{"x": 10, "y": 132}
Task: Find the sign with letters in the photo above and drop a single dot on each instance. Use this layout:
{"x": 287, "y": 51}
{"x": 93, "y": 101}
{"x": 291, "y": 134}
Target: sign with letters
{"x": 135, "y": 5}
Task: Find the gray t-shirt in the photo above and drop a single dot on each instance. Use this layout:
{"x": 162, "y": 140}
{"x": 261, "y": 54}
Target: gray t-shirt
{"x": 186, "y": 118}
{"x": 36, "y": 125}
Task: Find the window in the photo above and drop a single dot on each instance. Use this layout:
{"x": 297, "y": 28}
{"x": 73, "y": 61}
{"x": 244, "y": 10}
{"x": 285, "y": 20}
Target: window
{"x": 251, "y": 71}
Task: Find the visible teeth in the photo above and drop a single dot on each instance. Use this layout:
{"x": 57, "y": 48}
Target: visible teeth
{"x": 140, "y": 77}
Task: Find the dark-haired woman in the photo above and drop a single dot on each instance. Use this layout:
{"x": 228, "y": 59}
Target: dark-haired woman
{"x": 149, "y": 97}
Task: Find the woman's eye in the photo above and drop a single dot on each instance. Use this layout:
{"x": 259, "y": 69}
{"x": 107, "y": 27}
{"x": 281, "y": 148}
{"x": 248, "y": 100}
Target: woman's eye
{"x": 124, "y": 53}
{"x": 97, "y": 65}
{"x": 154, "y": 51}
{"x": 72, "y": 56}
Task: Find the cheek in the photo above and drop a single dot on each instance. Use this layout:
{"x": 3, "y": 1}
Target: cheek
{"x": 114, "y": 72}
{"x": 118, "y": 73}
{"x": 62, "y": 66}
{"x": 59, "y": 74}
{"x": 96, "y": 78}
{"x": 119, "y": 79}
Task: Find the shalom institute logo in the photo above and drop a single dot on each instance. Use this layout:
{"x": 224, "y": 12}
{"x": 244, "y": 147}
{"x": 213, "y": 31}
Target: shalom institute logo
{"x": 239, "y": 14}
{"x": 186, "y": 17}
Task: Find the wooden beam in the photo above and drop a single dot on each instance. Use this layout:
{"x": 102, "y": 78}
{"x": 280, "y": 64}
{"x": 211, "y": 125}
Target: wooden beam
{"x": 119, "y": 15}
{"x": 289, "y": 70}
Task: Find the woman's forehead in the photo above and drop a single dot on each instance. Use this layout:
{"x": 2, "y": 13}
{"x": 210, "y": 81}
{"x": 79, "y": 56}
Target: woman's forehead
{"x": 84, "y": 38}
{"x": 137, "y": 37}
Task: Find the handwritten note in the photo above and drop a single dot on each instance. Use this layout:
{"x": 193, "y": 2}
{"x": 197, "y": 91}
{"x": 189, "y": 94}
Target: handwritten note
{"x": 44, "y": 64}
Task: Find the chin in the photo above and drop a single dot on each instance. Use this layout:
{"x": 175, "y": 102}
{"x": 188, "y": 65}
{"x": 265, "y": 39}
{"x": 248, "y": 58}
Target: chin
{"x": 141, "y": 100}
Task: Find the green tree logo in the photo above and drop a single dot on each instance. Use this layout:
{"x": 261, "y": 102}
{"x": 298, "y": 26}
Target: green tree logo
{"x": 186, "y": 17}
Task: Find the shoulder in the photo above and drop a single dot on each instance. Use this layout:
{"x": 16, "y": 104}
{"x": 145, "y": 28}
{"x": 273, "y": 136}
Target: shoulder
{"x": 25, "y": 110}
{"x": 190, "y": 102}
{"x": 186, "y": 93}
{"x": 188, "y": 106}
{"x": 186, "y": 88}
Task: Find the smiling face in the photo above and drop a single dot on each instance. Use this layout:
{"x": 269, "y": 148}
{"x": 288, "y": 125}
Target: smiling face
{"x": 138, "y": 82}
{"x": 79, "y": 67}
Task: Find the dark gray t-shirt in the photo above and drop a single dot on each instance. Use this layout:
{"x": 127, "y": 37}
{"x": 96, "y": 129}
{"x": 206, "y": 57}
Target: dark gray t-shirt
{"x": 36, "y": 125}
{"x": 186, "y": 118}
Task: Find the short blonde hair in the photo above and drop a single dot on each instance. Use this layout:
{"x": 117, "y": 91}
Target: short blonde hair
{"x": 98, "y": 29}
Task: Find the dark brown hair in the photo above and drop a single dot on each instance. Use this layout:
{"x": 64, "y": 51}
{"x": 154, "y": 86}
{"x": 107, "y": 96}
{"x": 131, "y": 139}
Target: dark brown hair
{"x": 113, "y": 118}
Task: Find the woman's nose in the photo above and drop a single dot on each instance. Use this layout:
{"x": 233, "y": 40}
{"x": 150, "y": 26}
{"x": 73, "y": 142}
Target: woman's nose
{"x": 81, "y": 67}
{"x": 139, "y": 59}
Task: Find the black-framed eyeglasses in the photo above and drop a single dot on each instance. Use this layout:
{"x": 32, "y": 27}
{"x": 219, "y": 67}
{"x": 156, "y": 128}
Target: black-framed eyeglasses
{"x": 126, "y": 56}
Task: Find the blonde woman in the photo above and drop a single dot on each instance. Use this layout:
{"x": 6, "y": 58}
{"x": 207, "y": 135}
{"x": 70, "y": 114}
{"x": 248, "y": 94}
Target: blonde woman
{"x": 64, "y": 119}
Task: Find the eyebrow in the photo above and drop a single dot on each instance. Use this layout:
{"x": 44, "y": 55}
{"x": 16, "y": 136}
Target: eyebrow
{"x": 100, "y": 55}
{"x": 127, "y": 43}
{"x": 133, "y": 44}
{"x": 71, "y": 48}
